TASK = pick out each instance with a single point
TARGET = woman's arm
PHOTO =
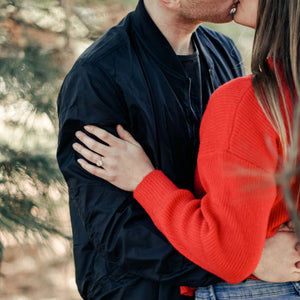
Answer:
(224, 231)
(279, 256)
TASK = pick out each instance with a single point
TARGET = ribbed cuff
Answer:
(152, 190)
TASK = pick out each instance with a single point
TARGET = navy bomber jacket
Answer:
(132, 76)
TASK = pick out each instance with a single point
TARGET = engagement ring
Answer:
(99, 163)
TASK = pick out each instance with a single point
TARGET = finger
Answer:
(92, 144)
(282, 227)
(297, 247)
(102, 134)
(99, 172)
(86, 153)
(126, 136)
(291, 225)
(286, 228)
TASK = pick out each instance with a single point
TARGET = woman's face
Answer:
(246, 13)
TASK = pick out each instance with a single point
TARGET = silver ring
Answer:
(99, 163)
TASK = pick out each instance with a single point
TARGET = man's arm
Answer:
(117, 226)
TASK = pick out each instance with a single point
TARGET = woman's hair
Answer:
(278, 37)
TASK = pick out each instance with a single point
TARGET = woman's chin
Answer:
(242, 22)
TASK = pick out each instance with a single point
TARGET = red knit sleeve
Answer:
(224, 231)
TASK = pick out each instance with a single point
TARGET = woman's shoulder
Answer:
(235, 89)
(234, 117)
(232, 96)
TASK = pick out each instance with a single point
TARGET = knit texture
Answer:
(237, 204)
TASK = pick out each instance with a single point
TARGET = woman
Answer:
(245, 135)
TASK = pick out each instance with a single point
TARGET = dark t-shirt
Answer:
(197, 71)
(192, 68)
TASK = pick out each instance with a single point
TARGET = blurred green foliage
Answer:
(31, 186)
(39, 41)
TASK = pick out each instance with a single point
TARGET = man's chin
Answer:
(229, 19)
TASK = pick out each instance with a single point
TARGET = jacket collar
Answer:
(155, 42)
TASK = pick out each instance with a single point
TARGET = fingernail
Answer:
(75, 146)
(79, 161)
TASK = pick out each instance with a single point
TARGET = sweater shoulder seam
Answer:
(227, 151)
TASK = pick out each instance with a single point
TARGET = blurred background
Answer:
(39, 42)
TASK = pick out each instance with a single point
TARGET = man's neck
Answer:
(177, 31)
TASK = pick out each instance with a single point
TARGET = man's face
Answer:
(215, 11)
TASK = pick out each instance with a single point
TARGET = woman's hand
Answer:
(280, 258)
(122, 162)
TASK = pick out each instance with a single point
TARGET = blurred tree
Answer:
(39, 40)
(30, 183)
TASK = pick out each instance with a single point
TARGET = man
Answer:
(153, 73)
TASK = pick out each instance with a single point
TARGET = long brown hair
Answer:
(278, 37)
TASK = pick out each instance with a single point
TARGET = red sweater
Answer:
(238, 204)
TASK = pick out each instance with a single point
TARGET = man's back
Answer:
(132, 76)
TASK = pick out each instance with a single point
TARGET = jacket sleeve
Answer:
(116, 224)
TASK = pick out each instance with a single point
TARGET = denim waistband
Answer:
(250, 289)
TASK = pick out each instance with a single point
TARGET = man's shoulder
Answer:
(213, 36)
(114, 43)
(220, 48)
(236, 87)
(236, 97)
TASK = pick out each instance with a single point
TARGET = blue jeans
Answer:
(250, 289)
